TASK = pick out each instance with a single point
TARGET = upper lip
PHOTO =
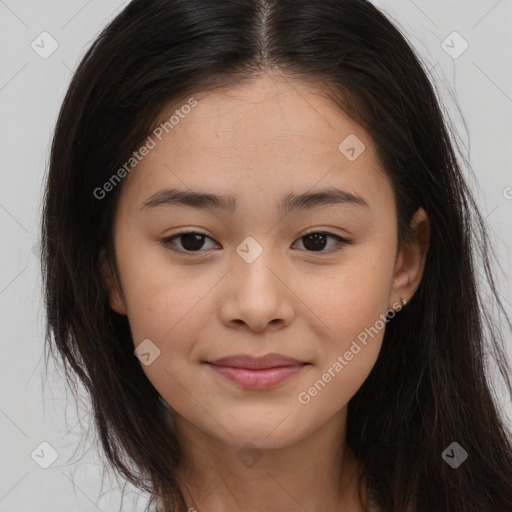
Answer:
(255, 362)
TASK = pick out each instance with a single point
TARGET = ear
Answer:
(110, 285)
(410, 262)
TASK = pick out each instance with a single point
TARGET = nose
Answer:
(257, 294)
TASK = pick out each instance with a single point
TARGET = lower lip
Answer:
(257, 379)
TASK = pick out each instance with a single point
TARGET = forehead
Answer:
(271, 134)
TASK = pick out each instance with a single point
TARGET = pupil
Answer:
(194, 241)
(318, 240)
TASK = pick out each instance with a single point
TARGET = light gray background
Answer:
(31, 90)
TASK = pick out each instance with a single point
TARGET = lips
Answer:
(253, 362)
(257, 372)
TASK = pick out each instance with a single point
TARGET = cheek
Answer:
(352, 304)
(173, 315)
(338, 381)
(168, 311)
(356, 330)
(350, 298)
(163, 301)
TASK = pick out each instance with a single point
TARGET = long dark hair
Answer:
(430, 384)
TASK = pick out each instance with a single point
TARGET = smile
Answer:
(257, 378)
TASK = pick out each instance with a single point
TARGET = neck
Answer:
(219, 476)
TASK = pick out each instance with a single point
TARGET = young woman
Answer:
(260, 257)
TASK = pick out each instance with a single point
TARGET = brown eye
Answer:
(191, 241)
(316, 241)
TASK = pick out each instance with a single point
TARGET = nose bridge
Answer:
(253, 261)
(257, 294)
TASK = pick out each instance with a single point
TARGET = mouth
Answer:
(257, 372)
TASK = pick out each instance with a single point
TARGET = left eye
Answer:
(316, 241)
(192, 241)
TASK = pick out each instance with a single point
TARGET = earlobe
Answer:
(410, 263)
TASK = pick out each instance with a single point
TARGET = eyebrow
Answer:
(288, 203)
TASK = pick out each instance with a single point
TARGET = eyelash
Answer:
(341, 242)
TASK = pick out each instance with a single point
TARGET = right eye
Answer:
(191, 241)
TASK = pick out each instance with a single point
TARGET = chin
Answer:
(264, 433)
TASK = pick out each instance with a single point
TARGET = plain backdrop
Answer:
(476, 87)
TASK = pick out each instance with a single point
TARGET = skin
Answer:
(259, 141)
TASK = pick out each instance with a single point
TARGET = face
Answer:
(266, 272)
